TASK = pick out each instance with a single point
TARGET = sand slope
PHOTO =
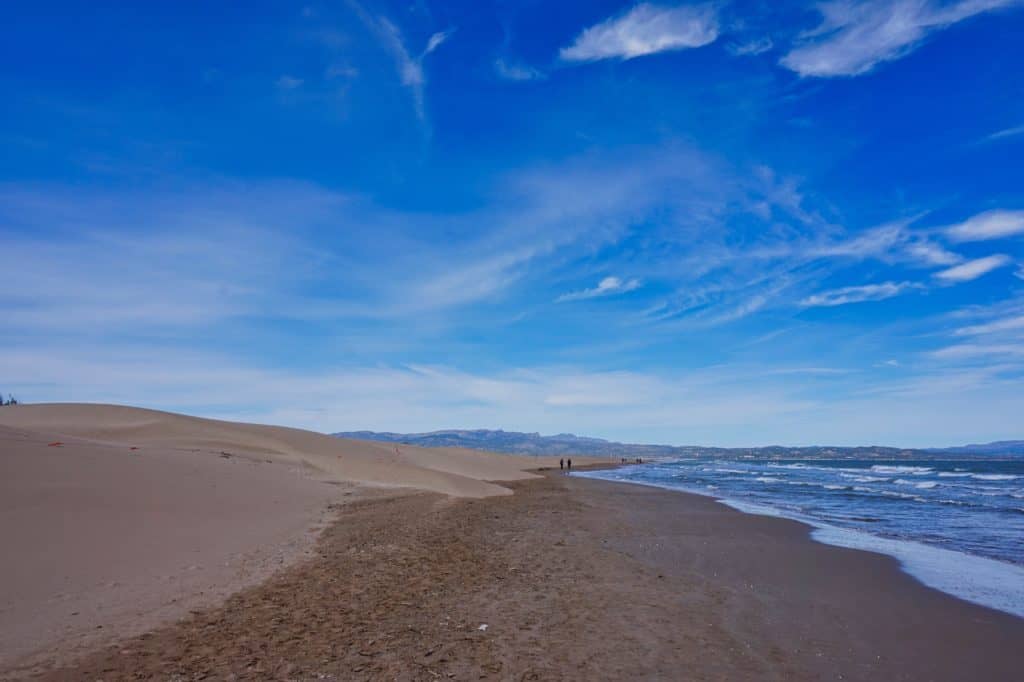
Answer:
(136, 516)
(452, 471)
(101, 541)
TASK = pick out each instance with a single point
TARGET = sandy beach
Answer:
(573, 579)
(115, 520)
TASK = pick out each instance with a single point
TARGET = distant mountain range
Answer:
(569, 444)
(999, 447)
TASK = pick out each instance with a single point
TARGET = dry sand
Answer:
(574, 579)
(116, 519)
(452, 471)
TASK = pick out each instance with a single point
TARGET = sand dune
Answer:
(113, 519)
(452, 471)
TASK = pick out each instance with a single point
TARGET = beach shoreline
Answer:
(981, 580)
(573, 578)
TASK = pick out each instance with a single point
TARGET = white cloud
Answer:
(994, 327)
(889, 242)
(870, 243)
(854, 37)
(972, 269)
(976, 350)
(988, 225)
(409, 65)
(751, 48)
(516, 72)
(1005, 133)
(643, 30)
(931, 253)
(857, 294)
(606, 287)
(436, 40)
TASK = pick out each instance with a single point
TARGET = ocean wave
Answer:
(768, 479)
(865, 479)
(995, 477)
(924, 485)
(893, 469)
(902, 496)
(984, 581)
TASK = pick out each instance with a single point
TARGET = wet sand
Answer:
(573, 579)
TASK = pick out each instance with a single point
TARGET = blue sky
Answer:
(723, 223)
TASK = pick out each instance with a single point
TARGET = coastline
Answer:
(575, 578)
(979, 580)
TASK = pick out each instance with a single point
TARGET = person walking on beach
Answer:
(561, 464)
(568, 464)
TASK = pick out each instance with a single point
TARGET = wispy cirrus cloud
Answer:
(855, 37)
(994, 224)
(82, 267)
(606, 287)
(1015, 131)
(857, 294)
(408, 63)
(977, 350)
(1007, 324)
(750, 48)
(972, 269)
(644, 30)
(516, 71)
(893, 242)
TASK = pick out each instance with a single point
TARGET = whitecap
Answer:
(865, 479)
(894, 469)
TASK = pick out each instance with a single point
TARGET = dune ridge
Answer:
(451, 471)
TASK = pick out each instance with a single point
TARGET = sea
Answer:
(955, 525)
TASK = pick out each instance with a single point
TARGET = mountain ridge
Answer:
(534, 443)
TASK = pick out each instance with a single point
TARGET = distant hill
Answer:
(519, 443)
(999, 447)
(569, 444)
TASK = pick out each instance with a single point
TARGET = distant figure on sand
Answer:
(568, 464)
(561, 464)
